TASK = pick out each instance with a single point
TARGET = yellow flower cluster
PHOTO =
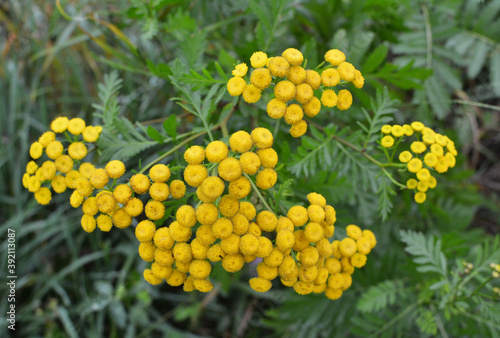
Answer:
(431, 152)
(303, 256)
(294, 86)
(57, 170)
(224, 222)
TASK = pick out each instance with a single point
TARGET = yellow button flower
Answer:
(90, 134)
(207, 213)
(313, 232)
(414, 165)
(216, 151)
(140, 183)
(60, 124)
(76, 126)
(89, 206)
(298, 129)
(313, 107)
(248, 209)
(260, 284)
(423, 174)
(115, 169)
(387, 141)
(122, 193)
(86, 169)
(420, 197)
(347, 71)
(285, 90)
(405, 156)
(43, 196)
(293, 114)
(430, 160)
(258, 59)
(159, 173)
(411, 183)
(262, 138)
(293, 56)
(106, 203)
(251, 94)
(228, 206)
(278, 66)
(397, 130)
(241, 141)
(186, 216)
(233, 263)
(297, 75)
(236, 85)
(229, 169)
(240, 70)
(88, 223)
(313, 79)
(121, 219)
(386, 129)
(344, 99)
(359, 80)
(335, 57)
(408, 130)
(99, 178)
(154, 210)
(266, 178)
(77, 150)
(147, 251)
(261, 78)
(347, 247)
(194, 174)
(417, 126)
(104, 223)
(329, 98)
(177, 189)
(134, 207)
(304, 93)
(64, 164)
(330, 77)
(275, 109)
(47, 138)
(250, 162)
(222, 228)
(354, 232)
(36, 150)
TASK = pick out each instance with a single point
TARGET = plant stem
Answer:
(257, 191)
(395, 319)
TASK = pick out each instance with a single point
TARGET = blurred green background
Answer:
(439, 59)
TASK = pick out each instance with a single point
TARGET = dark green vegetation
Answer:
(440, 62)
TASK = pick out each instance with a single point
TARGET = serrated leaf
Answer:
(438, 97)
(375, 59)
(479, 52)
(379, 296)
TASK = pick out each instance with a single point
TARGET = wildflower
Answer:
(405, 156)
(330, 77)
(212, 187)
(222, 228)
(64, 164)
(121, 219)
(293, 114)
(344, 99)
(235, 86)
(194, 174)
(76, 199)
(431, 183)
(359, 80)
(99, 178)
(240, 70)
(228, 206)
(428, 139)
(140, 183)
(363, 245)
(253, 228)
(354, 232)
(329, 98)
(387, 141)
(407, 130)
(89, 206)
(60, 124)
(240, 223)
(285, 90)
(215, 253)
(200, 268)
(122, 193)
(162, 238)
(88, 223)
(248, 209)
(304, 93)
(36, 150)
(347, 247)
(309, 256)
(268, 157)
(451, 160)
(267, 220)
(313, 232)
(240, 188)
(274, 259)
(154, 210)
(43, 196)
(260, 284)
(177, 278)
(134, 207)
(347, 71)
(251, 94)
(90, 134)
(265, 247)
(160, 271)
(279, 66)
(417, 126)
(422, 186)
(276, 109)
(145, 231)
(313, 79)
(230, 169)
(206, 213)
(216, 151)
(397, 130)
(411, 183)
(231, 244)
(199, 249)
(258, 59)
(48, 170)
(54, 149)
(58, 184)
(233, 263)
(313, 107)
(76, 126)
(104, 222)
(293, 56)
(266, 178)
(77, 150)
(335, 57)
(115, 169)
(86, 169)
(84, 187)
(442, 165)
(240, 141)
(262, 138)
(285, 240)
(430, 160)
(298, 215)
(106, 203)
(180, 233)
(420, 197)
(414, 165)
(297, 74)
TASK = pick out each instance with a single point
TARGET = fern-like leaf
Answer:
(427, 252)
(379, 297)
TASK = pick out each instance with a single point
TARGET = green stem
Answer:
(395, 319)
(257, 191)
(173, 150)
(276, 128)
(371, 159)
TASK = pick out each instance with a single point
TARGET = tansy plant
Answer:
(213, 206)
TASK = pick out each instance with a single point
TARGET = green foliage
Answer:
(379, 297)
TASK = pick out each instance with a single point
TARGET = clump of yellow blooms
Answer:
(431, 153)
(298, 91)
(223, 223)
(56, 163)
